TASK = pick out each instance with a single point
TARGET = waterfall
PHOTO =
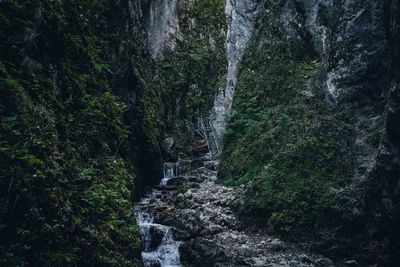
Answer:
(166, 254)
(170, 171)
(159, 246)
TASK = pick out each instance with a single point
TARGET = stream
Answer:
(190, 220)
(159, 247)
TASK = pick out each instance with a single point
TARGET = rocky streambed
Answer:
(189, 220)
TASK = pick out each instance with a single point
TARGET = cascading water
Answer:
(170, 171)
(160, 248)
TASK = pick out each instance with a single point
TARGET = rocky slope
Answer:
(203, 219)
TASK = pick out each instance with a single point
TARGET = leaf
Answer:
(9, 122)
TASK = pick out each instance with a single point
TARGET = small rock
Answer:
(323, 262)
(351, 263)
(304, 258)
(277, 245)
(188, 194)
(193, 185)
(258, 262)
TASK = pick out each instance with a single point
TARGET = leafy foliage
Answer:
(68, 150)
(194, 72)
(284, 138)
(82, 112)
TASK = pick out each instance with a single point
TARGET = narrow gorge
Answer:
(171, 133)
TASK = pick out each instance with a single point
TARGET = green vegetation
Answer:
(285, 138)
(82, 112)
(66, 170)
(190, 77)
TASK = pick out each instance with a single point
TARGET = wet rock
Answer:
(176, 181)
(210, 232)
(304, 258)
(181, 235)
(188, 194)
(168, 221)
(157, 236)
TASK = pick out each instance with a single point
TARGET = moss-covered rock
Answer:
(299, 153)
(190, 77)
(72, 133)
(83, 110)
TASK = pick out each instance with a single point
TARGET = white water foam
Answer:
(167, 253)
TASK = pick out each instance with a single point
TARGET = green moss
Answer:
(66, 182)
(285, 139)
(190, 77)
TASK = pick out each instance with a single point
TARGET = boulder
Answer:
(178, 180)
(157, 236)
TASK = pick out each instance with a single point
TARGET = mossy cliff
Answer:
(74, 130)
(305, 128)
(190, 75)
(83, 110)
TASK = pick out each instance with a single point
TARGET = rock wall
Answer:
(162, 27)
(313, 84)
(241, 18)
(77, 131)
(187, 40)
(385, 185)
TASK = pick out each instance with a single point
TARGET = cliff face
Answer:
(311, 92)
(190, 60)
(76, 133)
(351, 39)
(385, 187)
(89, 90)
(162, 27)
(241, 18)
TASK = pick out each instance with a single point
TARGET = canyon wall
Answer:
(305, 129)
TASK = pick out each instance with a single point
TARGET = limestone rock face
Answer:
(356, 43)
(350, 37)
(162, 27)
(241, 17)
